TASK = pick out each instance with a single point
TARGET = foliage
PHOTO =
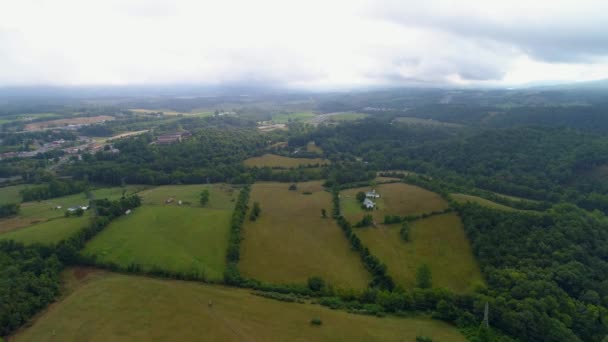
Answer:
(316, 284)
(423, 277)
(9, 209)
(29, 281)
(360, 196)
(54, 188)
(366, 221)
(204, 198)
(232, 275)
(316, 321)
(404, 231)
(255, 211)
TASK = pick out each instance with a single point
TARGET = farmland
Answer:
(275, 161)
(36, 126)
(103, 306)
(291, 242)
(285, 118)
(438, 241)
(395, 199)
(10, 194)
(462, 198)
(33, 212)
(221, 195)
(49, 232)
(173, 238)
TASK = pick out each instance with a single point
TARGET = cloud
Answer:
(553, 31)
(313, 44)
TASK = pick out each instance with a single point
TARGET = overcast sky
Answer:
(314, 44)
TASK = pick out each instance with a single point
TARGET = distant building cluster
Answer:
(172, 138)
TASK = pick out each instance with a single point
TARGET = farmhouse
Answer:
(372, 194)
(368, 204)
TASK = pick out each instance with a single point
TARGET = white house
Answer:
(372, 194)
(368, 204)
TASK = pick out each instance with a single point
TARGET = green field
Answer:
(221, 195)
(45, 209)
(49, 232)
(395, 199)
(113, 307)
(174, 238)
(348, 116)
(314, 148)
(10, 194)
(462, 198)
(426, 122)
(273, 160)
(285, 118)
(438, 241)
(290, 242)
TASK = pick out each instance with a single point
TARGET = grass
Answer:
(426, 122)
(462, 198)
(35, 212)
(286, 117)
(396, 199)
(273, 160)
(174, 238)
(438, 241)
(10, 194)
(312, 147)
(114, 307)
(348, 116)
(290, 242)
(221, 196)
(45, 209)
(49, 232)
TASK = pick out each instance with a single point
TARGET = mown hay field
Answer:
(221, 196)
(173, 238)
(462, 198)
(47, 233)
(438, 241)
(395, 199)
(113, 307)
(291, 242)
(273, 160)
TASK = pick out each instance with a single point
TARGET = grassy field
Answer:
(10, 194)
(112, 307)
(462, 198)
(273, 160)
(285, 118)
(426, 122)
(174, 238)
(49, 232)
(396, 199)
(221, 196)
(290, 242)
(46, 209)
(35, 212)
(312, 147)
(438, 241)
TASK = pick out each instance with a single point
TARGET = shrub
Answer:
(316, 283)
(316, 321)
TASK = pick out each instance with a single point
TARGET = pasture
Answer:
(174, 238)
(291, 242)
(395, 199)
(284, 118)
(406, 120)
(49, 232)
(312, 147)
(221, 196)
(86, 120)
(112, 307)
(462, 198)
(438, 241)
(276, 161)
(40, 211)
(10, 194)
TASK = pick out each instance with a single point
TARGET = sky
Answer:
(328, 44)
